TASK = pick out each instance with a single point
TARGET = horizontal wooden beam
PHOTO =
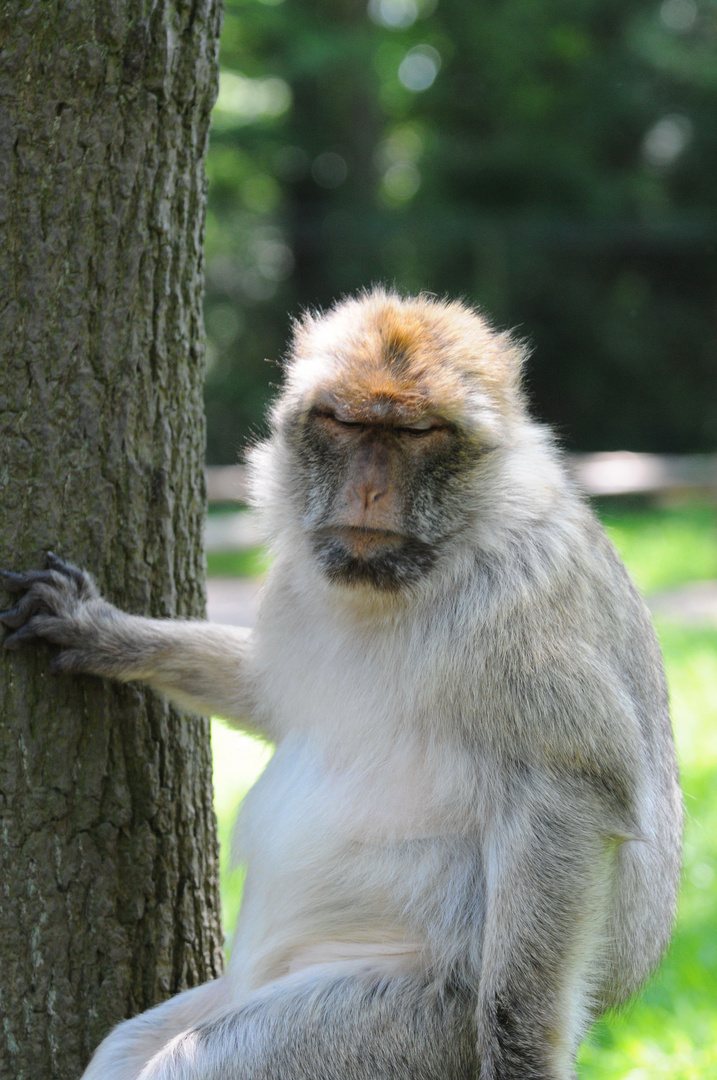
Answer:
(624, 473)
(226, 484)
(619, 472)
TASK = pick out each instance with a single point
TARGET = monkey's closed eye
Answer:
(427, 426)
(422, 427)
(341, 422)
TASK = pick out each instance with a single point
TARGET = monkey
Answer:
(466, 846)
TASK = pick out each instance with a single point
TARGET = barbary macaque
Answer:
(467, 843)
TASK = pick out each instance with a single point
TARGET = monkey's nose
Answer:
(366, 495)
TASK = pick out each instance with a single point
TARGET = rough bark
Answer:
(108, 869)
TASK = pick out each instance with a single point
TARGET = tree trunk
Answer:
(108, 851)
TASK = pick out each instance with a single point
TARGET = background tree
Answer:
(108, 881)
(553, 163)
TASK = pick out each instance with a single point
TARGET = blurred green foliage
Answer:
(553, 163)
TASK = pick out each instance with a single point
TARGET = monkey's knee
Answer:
(135, 1043)
(183, 1058)
(216, 1051)
(124, 1052)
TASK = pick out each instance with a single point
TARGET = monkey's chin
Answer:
(381, 560)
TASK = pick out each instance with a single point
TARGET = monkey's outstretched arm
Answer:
(548, 885)
(202, 666)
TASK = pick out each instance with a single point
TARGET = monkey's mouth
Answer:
(380, 558)
(363, 542)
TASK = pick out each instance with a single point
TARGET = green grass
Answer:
(670, 1032)
(247, 563)
(664, 548)
(238, 761)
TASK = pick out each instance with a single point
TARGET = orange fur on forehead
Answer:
(411, 351)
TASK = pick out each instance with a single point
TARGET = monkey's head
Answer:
(390, 409)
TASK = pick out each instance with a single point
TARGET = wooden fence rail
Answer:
(616, 473)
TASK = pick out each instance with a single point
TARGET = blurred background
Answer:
(554, 164)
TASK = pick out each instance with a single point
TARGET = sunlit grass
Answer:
(250, 562)
(664, 547)
(670, 1032)
(238, 761)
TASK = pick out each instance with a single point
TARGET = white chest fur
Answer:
(340, 840)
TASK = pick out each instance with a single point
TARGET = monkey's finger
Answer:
(34, 601)
(40, 598)
(13, 618)
(13, 582)
(56, 563)
(26, 633)
(18, 582)
(82, 581)
(43, 624)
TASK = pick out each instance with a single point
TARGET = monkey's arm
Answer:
(548, 886)
(202, 666)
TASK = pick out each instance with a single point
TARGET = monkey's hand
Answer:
(62, 605)
(203, 667)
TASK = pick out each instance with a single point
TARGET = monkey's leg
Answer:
(200, 665)
(319, 1027)
(549, 875)
(127, 1049)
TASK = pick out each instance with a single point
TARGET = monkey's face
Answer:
(380, 487)
(388, 408)
(367, 496)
